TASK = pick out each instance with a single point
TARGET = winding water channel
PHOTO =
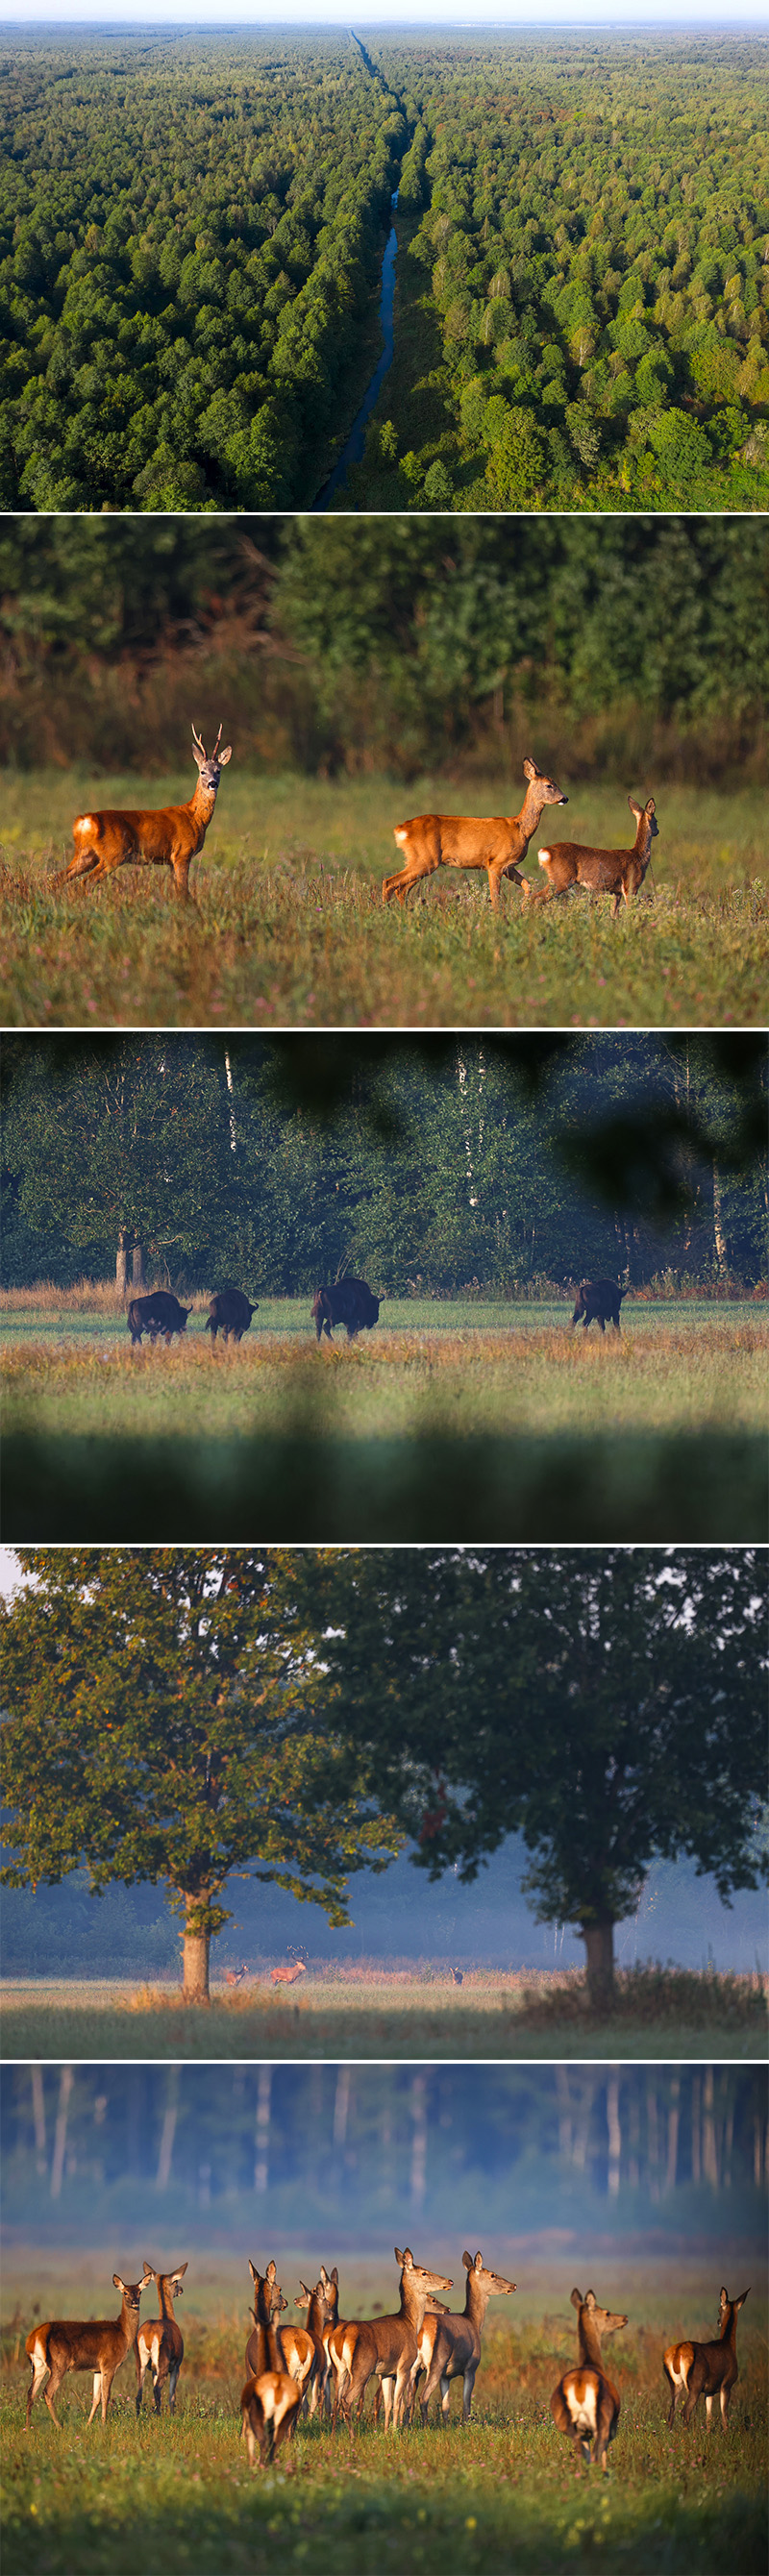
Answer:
(354, 445)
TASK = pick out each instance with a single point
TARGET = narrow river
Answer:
(354, 445)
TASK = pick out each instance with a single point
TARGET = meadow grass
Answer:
(444, 1430)
(502, 2491)
(291, 929)
(535, 2014)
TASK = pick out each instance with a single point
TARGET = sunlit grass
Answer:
(291, 928)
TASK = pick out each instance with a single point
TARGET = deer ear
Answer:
(589, 2299)
(530, 769)
(224, 756)
(650, 805)
(180, 2271)
(270, 2271)
(724, 2298)
(740, 2303)
(335, 2277)
(577, 2300)
(253, 2272)
(479, 2262)
(468, 2262)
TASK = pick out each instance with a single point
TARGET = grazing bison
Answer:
(230, 1313)
(598, 1302)
(350, 1303)
(160, 1313)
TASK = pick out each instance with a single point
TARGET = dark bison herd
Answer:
(350, 1302)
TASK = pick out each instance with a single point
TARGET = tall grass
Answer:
(291, 929)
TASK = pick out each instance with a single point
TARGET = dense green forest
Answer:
(344, 645)
(295, 2146)
(424, 1168)
(190, 239)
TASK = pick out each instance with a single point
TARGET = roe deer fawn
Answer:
(585, 2404)
(706, 2369)
(615, 872)
(169, 837)
(496, 842)
(98, 2344)
(159, 2345)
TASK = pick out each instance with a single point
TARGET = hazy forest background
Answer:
(191, 230)
(332, 648)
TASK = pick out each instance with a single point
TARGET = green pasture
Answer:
(290, 928)
(498, 2493)
(658, 2014)
(532, 1431)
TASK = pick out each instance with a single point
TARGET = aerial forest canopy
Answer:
(190, 239)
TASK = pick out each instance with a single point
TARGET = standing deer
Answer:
(98, 2344)
(322, 2305)
(615, 872)
(585, 2404)
(496, 842)
(449, 2347)
(288, 1976)
(167, 837)
(159, 2345)
(385, 2347)
(706, 2369)
(271, 2399)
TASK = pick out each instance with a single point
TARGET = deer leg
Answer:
(725, 2403)
(709, 2410)
(497, 869)
(467, 2393)
(97, 2394)
(39, 2373)
(82, 865)
(405, 878)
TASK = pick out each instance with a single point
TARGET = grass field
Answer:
(501, 2492)
(291, 929)
(532, 2014)
(445, 1423)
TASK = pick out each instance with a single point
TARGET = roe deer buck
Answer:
(615, 872)
(385, 2346)
(271, 2399)
(159, 2345)
(706, 2369)
(497, 842)
(585, 2404)
(449, 2347)
(288, 1976)
(169, 837)
(98, 2344)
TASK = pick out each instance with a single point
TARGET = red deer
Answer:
(615, 872)
(385, 2347)
(585, 2404)
(169, 837)
(235, 1976)
(288, 1976)
(322, 2305)
(450, 2347)
(160, 1313)
(496, 842)
(598, 1302)
(159, 2345)
(98, 2344)
(706, 2369)
(271, 2399)
(230, 1313)
(350, 1302)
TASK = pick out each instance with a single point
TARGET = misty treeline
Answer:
(466, 2145)
(633, 649)
(424, 1166)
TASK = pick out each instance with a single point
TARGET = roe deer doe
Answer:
(167, 837)
(98, 2344)
(706, 2369)
(585, 2404)
(496, 842)
(615, 872)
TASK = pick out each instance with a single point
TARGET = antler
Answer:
(200, 748)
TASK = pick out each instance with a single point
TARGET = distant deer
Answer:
(288, 1976)
(271, 2399)
(615, 872)
(159, 2346)
(98, 2344)
(585, 2404)
(457, 1976)
(385, 2347)
(167, 837)
(496, 842)
(235, 1976)
(706, 2369)
(449, 2347)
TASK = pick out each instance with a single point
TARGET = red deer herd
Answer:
(327, 2364)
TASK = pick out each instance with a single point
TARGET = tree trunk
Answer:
(137, 1267)
(121, 1266)
(197, 1947)
(599, 1951)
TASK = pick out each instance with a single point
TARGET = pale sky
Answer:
(611, 16)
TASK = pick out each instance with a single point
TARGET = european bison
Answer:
(230, 1313)
(350, 1303)
(160, 1313)
(598, 1302)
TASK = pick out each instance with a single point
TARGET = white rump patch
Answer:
(583, 2411)
(542, 858)
(401, 836)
